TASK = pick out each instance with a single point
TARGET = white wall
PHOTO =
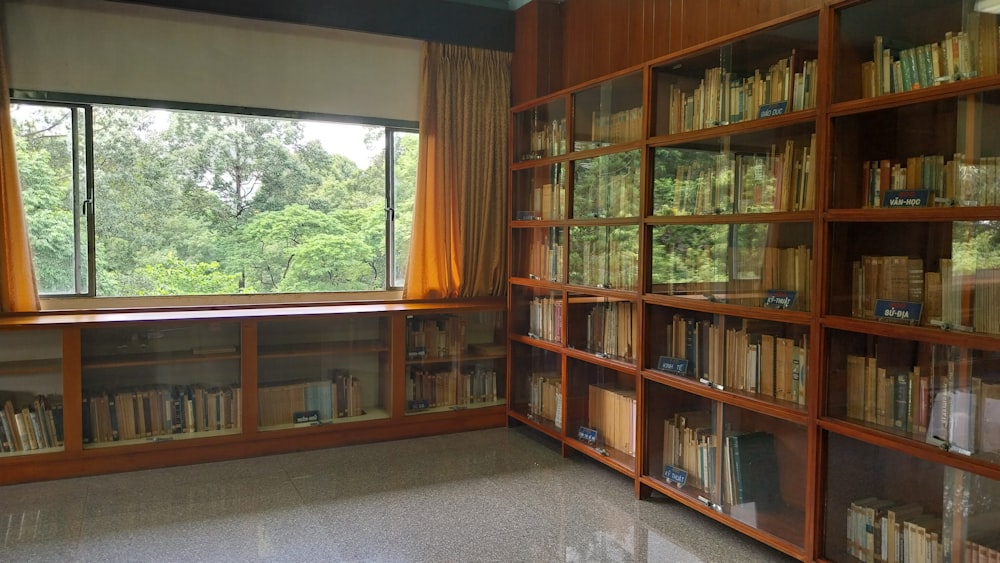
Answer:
(113, 49)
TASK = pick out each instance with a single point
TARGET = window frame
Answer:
(84, 205)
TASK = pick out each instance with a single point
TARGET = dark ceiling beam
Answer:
(432, 20)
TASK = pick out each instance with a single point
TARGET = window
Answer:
(125, 201)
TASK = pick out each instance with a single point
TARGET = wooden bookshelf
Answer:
(126, 390)
(767, 229)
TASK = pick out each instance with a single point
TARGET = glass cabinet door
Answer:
(31, 392)
(601, 411)
(536, 386)
(455, 361)
(160, 382)
(314, 371)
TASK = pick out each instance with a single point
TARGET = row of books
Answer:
(754, 357)
(603, 257)
(37, 425)
(610, 328)
(139, 413)
(546, 398)
(548, 138)
(548, 202)
(897, 67)
(771, 269)
(892, 532)
(614, 128)
(601, 192)
(723, 97)
(546, 254)
(429, 389)
(964, 301)
(743, 183)
(441, 336)
(952, 182)
(612, 413)
(336, 396)
(947, 399)
(546, 318)
(750, 472)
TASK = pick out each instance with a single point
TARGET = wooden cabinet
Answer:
(803, 234)
(114, 391)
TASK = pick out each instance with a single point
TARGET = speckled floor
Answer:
(492, 495)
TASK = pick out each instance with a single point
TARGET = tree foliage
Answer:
(196, 203)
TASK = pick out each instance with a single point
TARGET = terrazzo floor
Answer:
(491, 495)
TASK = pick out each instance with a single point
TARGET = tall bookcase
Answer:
(798, 249)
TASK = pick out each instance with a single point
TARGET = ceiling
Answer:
(486, 24)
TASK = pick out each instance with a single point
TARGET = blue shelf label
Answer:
(779, 299)
(418, 405)
(906, 198)
(677, 366)
(906, 311)
(675, 475)
(587, 435)
(771, 110)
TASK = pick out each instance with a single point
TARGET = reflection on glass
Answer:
(31, 394)
(607, 186)
(943, 395)
(322, 370)
(888, 506)
(606, 257)
(609, 113)
(757, 264)
(702, 182)
(958, 289)
(160, 382)
(537, 384)
(541, 131)
(541, 254)
(539, 193)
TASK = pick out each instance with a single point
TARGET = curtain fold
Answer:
(458, 245)
(18, 291)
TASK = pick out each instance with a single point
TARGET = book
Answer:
(755, 469)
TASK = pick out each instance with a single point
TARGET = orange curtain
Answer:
(18, 291)
(458, 246)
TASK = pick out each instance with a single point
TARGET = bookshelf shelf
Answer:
(151, 359)
(471, 358)
(25, 367)
(160, 440)
(712, 134)
(321, 349)
(458, 408)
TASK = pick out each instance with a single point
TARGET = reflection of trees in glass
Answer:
(690, 253)
(976, 246)
(607, 186)
(217, 203)
(604, 256)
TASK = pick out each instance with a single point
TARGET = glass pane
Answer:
(160, 382)
(312, 371)
(949, 269)
(888, 506)
(682, 442)
(767, 360)
(540, 254)
(760, 173)
(540, 132)
(31, 393)
(942, 395)
(537, 313)
(608, 114)
(920, 155)
(605, 257)
(753, 264)
(537, 385)
(406, 147)
(455, 361)
(601, 411)
(766, 74)
(603, 326)
(902, 45)
(606, 186)
(539, 193)
(53, 185)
